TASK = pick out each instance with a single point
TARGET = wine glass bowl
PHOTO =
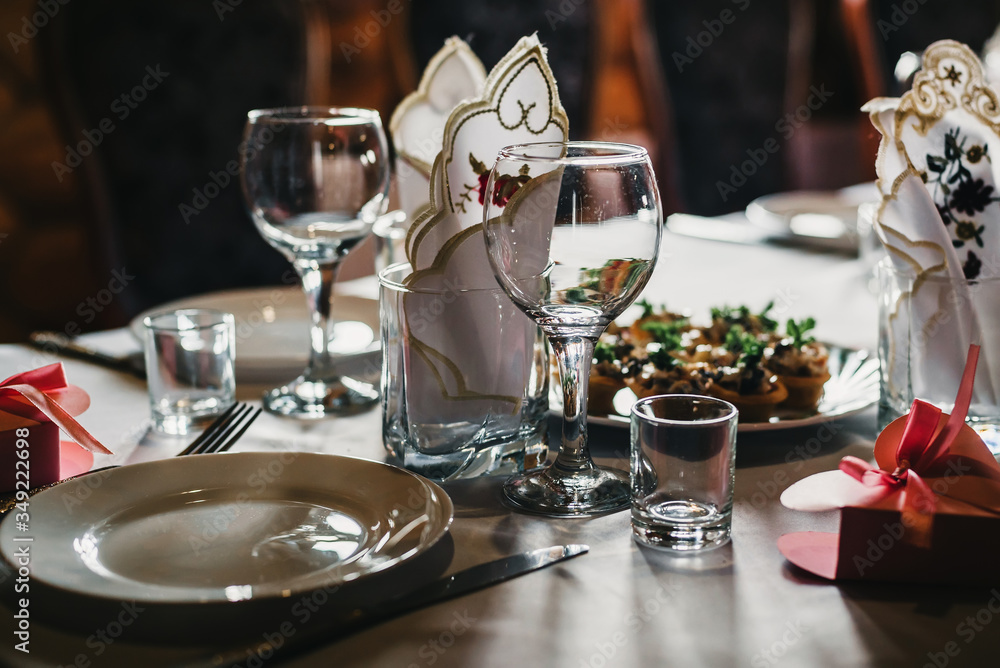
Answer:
(572, 233)
(315, 180)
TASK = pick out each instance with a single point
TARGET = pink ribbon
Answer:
(35, 386)
(919, 451)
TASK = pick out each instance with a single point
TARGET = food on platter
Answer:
(748, 384)
(801, 365)
(740, 356)
(607, 377)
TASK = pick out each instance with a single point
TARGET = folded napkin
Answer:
(928, 511)
(417, 125)
(477, 355)
(939, 215)
(34, 406)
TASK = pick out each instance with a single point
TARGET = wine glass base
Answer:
(595, 491)
(309, 399)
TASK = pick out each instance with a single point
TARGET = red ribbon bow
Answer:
(36, 386)
(919, 451)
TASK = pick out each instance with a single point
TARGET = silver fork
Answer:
(219, 436)
(223, 432)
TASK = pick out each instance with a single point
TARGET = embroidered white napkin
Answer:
(939, 217)
(478, 353)
(417, 125)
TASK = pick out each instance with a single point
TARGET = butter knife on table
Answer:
(56, 343)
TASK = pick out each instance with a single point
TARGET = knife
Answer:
(53, 342)
(458, 584)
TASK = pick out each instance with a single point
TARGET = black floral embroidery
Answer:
(972, 266)
(972, 196)
(959, 196)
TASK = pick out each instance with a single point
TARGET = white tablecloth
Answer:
(619, 605)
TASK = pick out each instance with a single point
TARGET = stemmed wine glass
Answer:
(572, 232)
(315, 179)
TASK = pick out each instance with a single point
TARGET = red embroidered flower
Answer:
(483, 178)
(506, 186)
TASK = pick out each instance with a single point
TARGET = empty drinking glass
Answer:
(683, 469)
(189, 366)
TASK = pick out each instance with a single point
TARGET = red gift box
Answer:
(34, 407)
(928, 512)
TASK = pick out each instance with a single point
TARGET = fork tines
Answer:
(224, 431)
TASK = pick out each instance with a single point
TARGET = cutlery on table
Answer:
(457, 584)
(54, 342)
(219, 436)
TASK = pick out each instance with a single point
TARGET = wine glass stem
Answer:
(317, 282)
(575, 355)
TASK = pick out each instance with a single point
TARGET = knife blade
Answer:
(54, 342)
(457, 584)
(471, 579)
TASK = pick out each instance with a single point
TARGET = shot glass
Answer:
(683, 466)
(189, 366)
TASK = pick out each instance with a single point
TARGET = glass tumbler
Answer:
(683, 466)
(190, 357)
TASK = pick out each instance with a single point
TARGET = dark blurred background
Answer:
(119, 120)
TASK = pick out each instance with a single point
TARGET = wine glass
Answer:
(315, 179)
(572, 232)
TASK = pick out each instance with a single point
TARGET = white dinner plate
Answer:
(826, 219)
(228, 527)
(272, 330)
(853, 387)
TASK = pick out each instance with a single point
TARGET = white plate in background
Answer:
(272, 330)
(826, 219)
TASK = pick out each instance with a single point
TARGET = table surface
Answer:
(619, 605)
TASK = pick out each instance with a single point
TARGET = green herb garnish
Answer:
(604, 352)
(647, 308)
(576, 295)
(797, 330)
(662, 359)
(664, 331)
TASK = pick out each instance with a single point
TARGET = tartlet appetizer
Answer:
(665, 373)
(644, 330)
(750, 386)
(725, 318)
(801, 365)
(607, 378)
